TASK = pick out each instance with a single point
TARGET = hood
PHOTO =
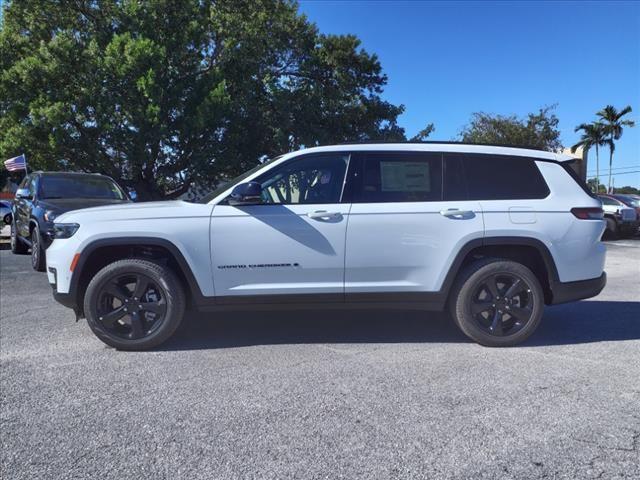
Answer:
(136, 211)
(62, 205)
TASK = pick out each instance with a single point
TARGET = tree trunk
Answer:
(610, 164)
(597, 170)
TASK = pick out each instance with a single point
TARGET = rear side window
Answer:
(492, 177)
(399, 177)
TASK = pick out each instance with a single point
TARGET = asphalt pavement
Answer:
(353, 394)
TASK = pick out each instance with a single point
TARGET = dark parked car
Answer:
(42, 196)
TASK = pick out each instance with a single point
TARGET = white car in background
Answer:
(5, 212)
(621, 219)
(491, 234)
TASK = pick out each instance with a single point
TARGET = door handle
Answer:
(455, 212)
(323, 214)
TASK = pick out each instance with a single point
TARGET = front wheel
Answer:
(38, 254)
(134, 304)
(497, 303)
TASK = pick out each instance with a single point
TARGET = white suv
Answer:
(491, 233)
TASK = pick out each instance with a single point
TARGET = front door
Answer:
(291, 247)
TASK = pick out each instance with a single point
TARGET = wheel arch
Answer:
(529, 251)
(99, 253)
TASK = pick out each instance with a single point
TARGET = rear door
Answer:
(406, 225)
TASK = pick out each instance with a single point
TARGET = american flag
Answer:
(16, 163)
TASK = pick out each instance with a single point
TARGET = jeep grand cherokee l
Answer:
(490, 233)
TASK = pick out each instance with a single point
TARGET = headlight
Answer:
(64, 230)
(50, 215)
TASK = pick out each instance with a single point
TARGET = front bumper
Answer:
(66, 299)
(563, 292)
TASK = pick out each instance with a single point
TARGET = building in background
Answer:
(580, 165)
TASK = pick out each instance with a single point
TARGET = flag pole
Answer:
(25, 164)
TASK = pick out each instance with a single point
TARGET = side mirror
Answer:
(23, 193)
(133, 195)
(249, 193)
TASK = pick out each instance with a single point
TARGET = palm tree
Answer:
(594, 135)
(614, 124)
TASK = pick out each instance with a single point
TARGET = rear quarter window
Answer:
(492, 177)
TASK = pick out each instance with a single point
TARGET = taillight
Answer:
(588, 213)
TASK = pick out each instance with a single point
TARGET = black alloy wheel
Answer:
(134, 304)
(497, 302)
(131, 306)
(502, 304)
(38, 259)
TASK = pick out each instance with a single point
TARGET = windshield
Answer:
(226, 184)
(79, 186)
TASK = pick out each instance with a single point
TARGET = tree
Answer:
(628, 190)
(614, 126)
(163, 95)
(596, 186)
(537, 130)
(423, 134)
(593, 135)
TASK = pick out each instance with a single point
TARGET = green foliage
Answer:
(423, 134)
(163, 95)
(537, 130)
(628, 190)
(613, 127)
(592, 182)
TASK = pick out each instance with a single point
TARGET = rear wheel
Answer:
(134, 304)
(497, 303)
(38, 255)
(7, 219)
(17, 246)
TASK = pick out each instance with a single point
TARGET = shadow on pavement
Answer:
(581, 322)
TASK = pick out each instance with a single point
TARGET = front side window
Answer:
(309, 180)
(399, 177)
(33, 183)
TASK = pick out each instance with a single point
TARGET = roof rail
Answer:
(371, 142)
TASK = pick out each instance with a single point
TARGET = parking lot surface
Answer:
(309, 394)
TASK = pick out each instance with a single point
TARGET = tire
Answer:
(612, 228)
(38, 255)
(17, 246)
(7, 219)
(109, 296)
(494, 323)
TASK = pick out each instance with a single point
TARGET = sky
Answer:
(446, 60)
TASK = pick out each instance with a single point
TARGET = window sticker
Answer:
(405, 176)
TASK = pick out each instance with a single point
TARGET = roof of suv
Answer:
(444, 147)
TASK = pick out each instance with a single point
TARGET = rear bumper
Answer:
(563, 292)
